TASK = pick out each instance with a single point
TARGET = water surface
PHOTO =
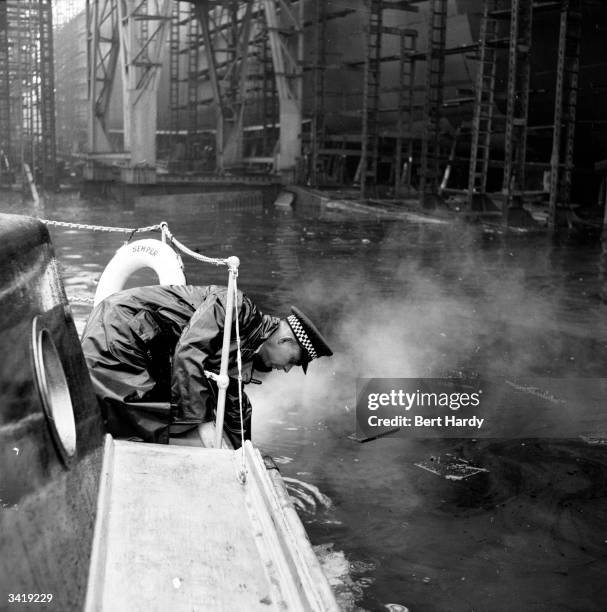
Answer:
(404, 298)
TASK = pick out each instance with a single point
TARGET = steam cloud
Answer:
(447, 309)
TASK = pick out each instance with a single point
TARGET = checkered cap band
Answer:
(302, 337)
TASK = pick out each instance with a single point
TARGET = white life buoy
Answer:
(148, 253)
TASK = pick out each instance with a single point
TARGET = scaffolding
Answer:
(102, 59)
(193, 77)
(435, 74)
(174, 81)
(71, 93)
(27, 98)
(404, 129)
(388, 146)
(326, 159)
(235, 95)
(565, 106)
(508, 25)
(517, 95)
(65, 11)
(369, 150)
(374, 86)
(5, 106)
(482, 123)
(222, 57)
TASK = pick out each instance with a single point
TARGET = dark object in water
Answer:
(359, 438)
(450, 467)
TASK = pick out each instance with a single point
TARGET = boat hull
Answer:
(48, 501)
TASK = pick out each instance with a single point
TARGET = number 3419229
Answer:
(30, 597)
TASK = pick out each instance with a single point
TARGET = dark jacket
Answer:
(147, 349)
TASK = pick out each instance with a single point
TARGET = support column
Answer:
(404, 126)
(227, 35)
(482, 123)
(369, 152)
(565, 106)
(143, 29)
(5, 107)
(318, 126)
(517, 111)
(103, 48)
(48, 153)
(284, 21)
(435, 72)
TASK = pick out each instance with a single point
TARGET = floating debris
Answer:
(595, 439)
(285, 199)
(361, 438)
(536, 391)
(283, 460)
(396, 607)
(450, 467)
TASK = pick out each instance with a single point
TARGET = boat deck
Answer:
(176, 530)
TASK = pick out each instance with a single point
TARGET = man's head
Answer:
(296, 341)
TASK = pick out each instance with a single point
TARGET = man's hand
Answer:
(247, 372)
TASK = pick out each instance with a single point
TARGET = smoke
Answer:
(447, 303)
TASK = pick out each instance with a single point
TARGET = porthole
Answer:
(54, 392)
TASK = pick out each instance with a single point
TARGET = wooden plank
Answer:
(177, 530)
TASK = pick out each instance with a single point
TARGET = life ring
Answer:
(148, 253)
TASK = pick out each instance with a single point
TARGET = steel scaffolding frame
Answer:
(369, 151)
(285, 25)
(373, 87)
(319, 147)
(143, 27)
(222, 39)
(565, 106)
(6, 153)
(226, 33)
(27, 93)
(517, 92)
(192, 78)
(517, 17)
(484, 104)
(318, 114)
(71, 86)
(103, 47)
(174, 75)
(435, 73)
(404, 128)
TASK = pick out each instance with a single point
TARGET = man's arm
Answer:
(192, 396)
(190, 389)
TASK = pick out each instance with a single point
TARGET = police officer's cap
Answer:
(308, 336)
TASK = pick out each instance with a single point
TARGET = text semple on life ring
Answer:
(148, 253)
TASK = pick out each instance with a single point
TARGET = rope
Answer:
(216, 261)
(82, 299)
(102, 228)
(242, 474)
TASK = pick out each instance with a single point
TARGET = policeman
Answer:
(147, 350)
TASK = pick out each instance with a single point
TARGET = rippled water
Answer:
(409, 298)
